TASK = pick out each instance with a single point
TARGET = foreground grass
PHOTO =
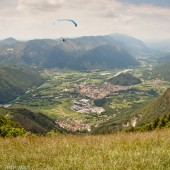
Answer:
(133, 151)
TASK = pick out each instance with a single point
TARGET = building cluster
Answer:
(84, 106)
(74, 125)
(94, 92)
(5, 105)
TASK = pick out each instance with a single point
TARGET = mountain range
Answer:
(162, 45)
(90, 52)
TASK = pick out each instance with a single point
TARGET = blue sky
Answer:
(29, 19)
(162, 3)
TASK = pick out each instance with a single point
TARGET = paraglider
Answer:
(69, 20)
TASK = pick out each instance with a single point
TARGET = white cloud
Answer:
(39, 5)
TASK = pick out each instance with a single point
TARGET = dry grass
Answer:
(133, 151)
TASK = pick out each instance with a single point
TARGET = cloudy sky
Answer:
(29, 19)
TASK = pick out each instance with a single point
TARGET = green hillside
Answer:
(36, 123)
(162, 72)
(124, 79)
(158, 123)
(147, 114)
(156, 109)
(155, 115)
(16, 80)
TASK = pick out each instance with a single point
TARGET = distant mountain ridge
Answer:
(47, 53)
(133, 45)
(163, 46)
(9, 41)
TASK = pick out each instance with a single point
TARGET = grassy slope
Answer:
(138, 151)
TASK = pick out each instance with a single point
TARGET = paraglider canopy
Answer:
(70, 20)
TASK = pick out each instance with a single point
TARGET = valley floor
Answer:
(134, 151)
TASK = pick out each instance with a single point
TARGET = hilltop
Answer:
(124, 79)
(9, 41)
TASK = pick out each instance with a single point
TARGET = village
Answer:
(94, 92)
(85, 105)
(74, 125)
